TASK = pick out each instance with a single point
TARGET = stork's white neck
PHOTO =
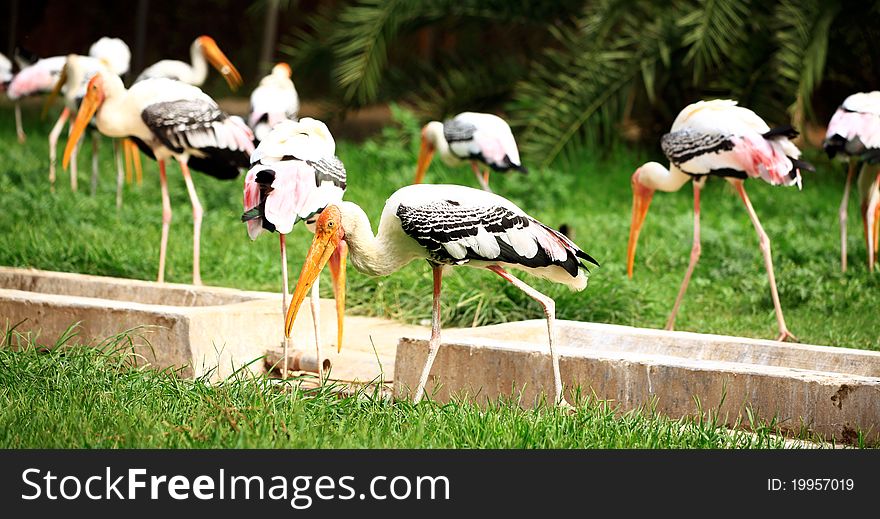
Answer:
(381, 254)
(434, 135)
(199, 64)
(655, 176)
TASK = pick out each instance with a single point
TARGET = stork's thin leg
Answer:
(74, 170)
(486, 176)
(483, 181)
(166, 219)
(550, 312)
(315, 304)
(53, 144)
(764, 242)
(197, 221)
(284, 292)
(126, 149)
(93, 186)
(695, 255)
(842, 214)
(434, 343)
(120, 175)
(19, 129)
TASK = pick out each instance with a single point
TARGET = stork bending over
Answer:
(478, 138)
(718, 138)
(448, 226)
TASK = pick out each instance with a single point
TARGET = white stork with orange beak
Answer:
(75, 75)
(168, 119)
(474, 137)
(718, 138)
(273, 101)
(854, 134)
(446, 225)
(294, 175)
(203, 50)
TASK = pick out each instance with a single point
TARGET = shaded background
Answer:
(567, 74)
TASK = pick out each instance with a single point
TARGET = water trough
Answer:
(834, 392)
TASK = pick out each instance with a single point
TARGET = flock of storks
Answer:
(294, 175)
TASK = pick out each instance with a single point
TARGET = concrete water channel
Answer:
(212, 332)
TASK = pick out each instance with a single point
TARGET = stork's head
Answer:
(431, 132)
(282, 69)
(643, 192)
(328, 245)
(96, 93)
(219, 61)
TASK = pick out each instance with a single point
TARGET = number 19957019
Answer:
(811, 484)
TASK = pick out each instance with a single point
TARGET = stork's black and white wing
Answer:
(483, 137)
(217, 143)
(463, 225)
(720, 138)
(290, 180)
(854, 129)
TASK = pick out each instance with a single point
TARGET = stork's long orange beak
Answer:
(426, 153)
(641, 202)
(220, 62)
(90, 104)
(62, 78)
(323, 246)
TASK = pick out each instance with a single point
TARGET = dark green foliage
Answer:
(579, 73)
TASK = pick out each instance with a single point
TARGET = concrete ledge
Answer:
(831, 391)
(202, 331)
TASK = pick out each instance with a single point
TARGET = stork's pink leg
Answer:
(284, 292)
(197, 220)
(19, 129)
(842, 216)
(550, 312)
(434, 343)
(695, 255)
(166, 219)
(483, 181)
(53, 144)
(764, 242)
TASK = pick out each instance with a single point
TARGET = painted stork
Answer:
(294, 175)
(854, 134)
(203, 50)
(718, 138)
(167, 118)
(470, 136)
(75, 75)
(274, 100)
(446, 225)
(41, 76)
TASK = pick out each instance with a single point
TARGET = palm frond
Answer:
(712, 30)
(802, 31)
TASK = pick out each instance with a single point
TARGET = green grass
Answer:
(82, 397)
(88, 397)
(729, 293)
